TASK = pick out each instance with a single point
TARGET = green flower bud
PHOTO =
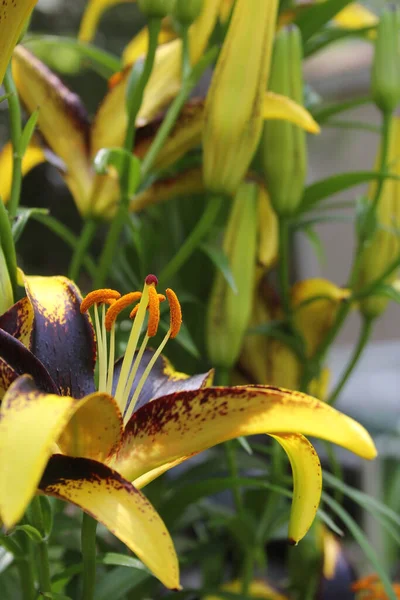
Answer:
(283, 150)
(187, 11)
(229, 309)
(156, 9)
(386, 67)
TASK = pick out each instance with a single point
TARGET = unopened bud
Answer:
(386, 66)
(187, 11)
(229, 309)
(283, 150)
(156, 9)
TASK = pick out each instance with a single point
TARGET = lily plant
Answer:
(96, 441)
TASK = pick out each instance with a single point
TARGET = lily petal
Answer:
(14, 16)
(186, 183)
(95, 429)
(307, 482)
(18, 321)
(111, 500)
(92, 15)
(186, 422)
(283, 108)
(33, 156)
(30, 424)
(57, 317)
(355, 16)
(17, 360)
(162, 380)
(62, 120)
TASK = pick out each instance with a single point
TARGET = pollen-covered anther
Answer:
(104, 296)
(175, 313)
(119, 306)
(154, 312)
(134, 310)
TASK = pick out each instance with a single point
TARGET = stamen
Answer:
(175, 313)
(111, 359)
(133, 312)
(154, 312)
(99, 297)
(119, 306)
(103, 366)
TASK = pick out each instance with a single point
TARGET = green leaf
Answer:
(388, 291)
(11, 546)
(126, 164)
(278, 330)
(22, 218)
(27, 132)
(121, 560)
(366, 219)
(50, 48)
(316, 243)
(33, 533)
(333, 34)
(220, 260)
(334, 184)
(311, 20)
(54, 596)
(184, 339)
(323, 113)
(117, 583)
(364, 544)
(245, 444)
(47, 515)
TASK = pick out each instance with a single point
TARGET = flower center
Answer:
(147, 303)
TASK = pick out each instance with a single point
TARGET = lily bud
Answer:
(187, 11)
(234, 106)
(156, 9)
(283, 150)
(384, 245)
(229, 309)
(386, 67)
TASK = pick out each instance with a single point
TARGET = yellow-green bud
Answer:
(283, 149)
(156, 9)
(187, 11)
(386, 66)
(384, 245)
(234, 108)
(229, 310)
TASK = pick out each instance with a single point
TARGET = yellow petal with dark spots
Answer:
(33, 156)
(181, 424)
(307, 482)
(13, 17)
(95, 429)
(283, 108)
(113, 501)
(63, 338)
(62, 120)
(92, 15)
(30, 424)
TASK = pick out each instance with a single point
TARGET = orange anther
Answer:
(119, 306)
(133, 314)
(154, 312)
(99, 297)
(175, 312)
(365, 582)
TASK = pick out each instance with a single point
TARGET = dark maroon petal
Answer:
(18, 321)
(162, 380)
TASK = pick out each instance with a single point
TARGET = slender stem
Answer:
(386, 126)
(193, 240)
(26, 579)
(107, 255)
(88, 544)
(365, 334)
(186, 65)
(42, 549)
(14, 110)
(174, 110)
(136, 99)
(247, 572)
(283, 266)
(85, 239)
(8, 246)
(67, 236)
(22, 550)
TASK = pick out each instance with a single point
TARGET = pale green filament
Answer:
(131, 347)
(101, 351)
(103, 371)
(143, 378)
(134, 371)
(111, 359)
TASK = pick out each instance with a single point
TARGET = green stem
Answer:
(85, 239)
(22, 551)
(186, 65)
(365, 334)
(247, 572)
(88, 544)
(8, 246)
(42, 549)
(193, 240)
(26, 579)
(14, 110)
(174, 110)
(386, 125)
(66, 236)
(283, 266)
(136, 99)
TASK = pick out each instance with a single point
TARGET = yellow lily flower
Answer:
(156, 418)
(355, 16)
(257, 589)
(14, 16)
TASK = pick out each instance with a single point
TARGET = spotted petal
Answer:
(110, 499)
(178, 425)
(18, 321)
(163, 379)
(63, 338)
(30, 424)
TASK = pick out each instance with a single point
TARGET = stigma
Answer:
(145, 316)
